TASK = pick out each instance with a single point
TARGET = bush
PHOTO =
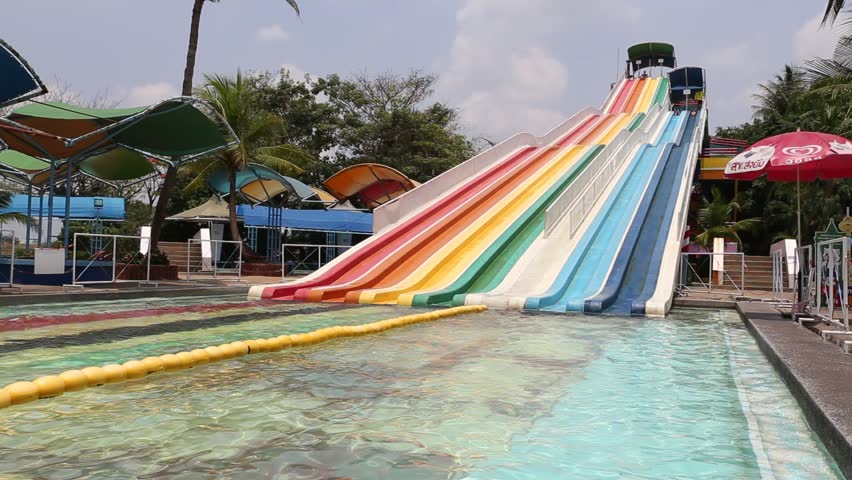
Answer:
(157, 258)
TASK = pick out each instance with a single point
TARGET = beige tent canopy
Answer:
(213, 210)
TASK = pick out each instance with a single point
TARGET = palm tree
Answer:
(832, 10)
(715, 219)
(5, 201)
(257, 131)
(170, 179)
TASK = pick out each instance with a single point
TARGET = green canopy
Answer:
(651, 54)
(173, 131)
(117, 164)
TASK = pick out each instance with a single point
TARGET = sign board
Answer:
(830, 233)
(49, 261)
(144, 242)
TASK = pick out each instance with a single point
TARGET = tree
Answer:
(5, 201)
(257, 131)
(715, 220)
(387, 119)
(170, 179)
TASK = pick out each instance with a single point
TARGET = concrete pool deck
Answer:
(818, 373)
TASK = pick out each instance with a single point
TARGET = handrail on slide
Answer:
(579, 198)
(413, 200)
(660, 302)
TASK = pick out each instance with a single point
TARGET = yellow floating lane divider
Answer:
(74, 380)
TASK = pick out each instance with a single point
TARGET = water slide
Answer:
(464, 218)
(638, 261)
(592, 260)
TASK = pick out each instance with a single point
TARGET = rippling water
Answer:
(498, 395)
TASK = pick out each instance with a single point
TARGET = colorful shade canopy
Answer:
(172, 130)
(261, 184)
(18, 82)
(213, 210)
(371, 184)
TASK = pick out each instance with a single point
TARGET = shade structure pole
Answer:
(40, 215)
(66, 227)
(29, 214)
(50, 192)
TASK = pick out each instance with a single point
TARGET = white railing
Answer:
(7, 250)
(687, 283)
(115, 257)
(413, 200)
(779, 272)
(231, 264)
(575, 203)
(832, 274)
(305, 258)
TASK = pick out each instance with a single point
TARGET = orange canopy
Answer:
(369, 183)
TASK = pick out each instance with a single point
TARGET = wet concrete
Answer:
(818, 373)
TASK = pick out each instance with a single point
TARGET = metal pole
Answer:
(148, 273)
(12, 270)
(67, 220)
(742, 272)
(845, 283)
(188, 248)
(74, 262)
(40, 215)
(240, 262)
(50, 191)
(29, 214)
(798, 227)
(283, 254)
(114, 255)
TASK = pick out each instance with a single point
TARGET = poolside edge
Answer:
(813, 371)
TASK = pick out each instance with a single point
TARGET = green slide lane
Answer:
(662, 91)
(494, 263)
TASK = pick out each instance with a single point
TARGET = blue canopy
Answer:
(343, 221)
(18, 82)
(82, 208)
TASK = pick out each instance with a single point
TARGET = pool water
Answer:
(495, 395)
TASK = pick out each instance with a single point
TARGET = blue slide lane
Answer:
(631, 271)
(650, 285)
(586, 268)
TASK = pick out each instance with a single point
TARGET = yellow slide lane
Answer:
(452, 259)
(648, 95)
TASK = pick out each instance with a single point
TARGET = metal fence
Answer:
(219, 258)
(303, 258)
(109, 259)
(7, 256)
(691, 280)
(832, 281)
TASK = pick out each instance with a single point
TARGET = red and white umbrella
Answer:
(792, 157)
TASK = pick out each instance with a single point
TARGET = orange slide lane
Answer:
(402, 263)
(364, 257)
(422, 247)
(635, 95)
(453, 215)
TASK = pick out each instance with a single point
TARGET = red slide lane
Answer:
(413, 226)
(394, 266)
(381, 267)
(618, 105)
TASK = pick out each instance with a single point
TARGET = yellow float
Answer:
(74, 380)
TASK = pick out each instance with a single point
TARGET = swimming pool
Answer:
(495, 395)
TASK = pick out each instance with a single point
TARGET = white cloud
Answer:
(812, 41)
(296, 72)
(271, 34)
(500, 70)
(149, 93)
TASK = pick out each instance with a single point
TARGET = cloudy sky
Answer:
(509, 65)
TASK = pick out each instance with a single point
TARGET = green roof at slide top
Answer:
(650, 49)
